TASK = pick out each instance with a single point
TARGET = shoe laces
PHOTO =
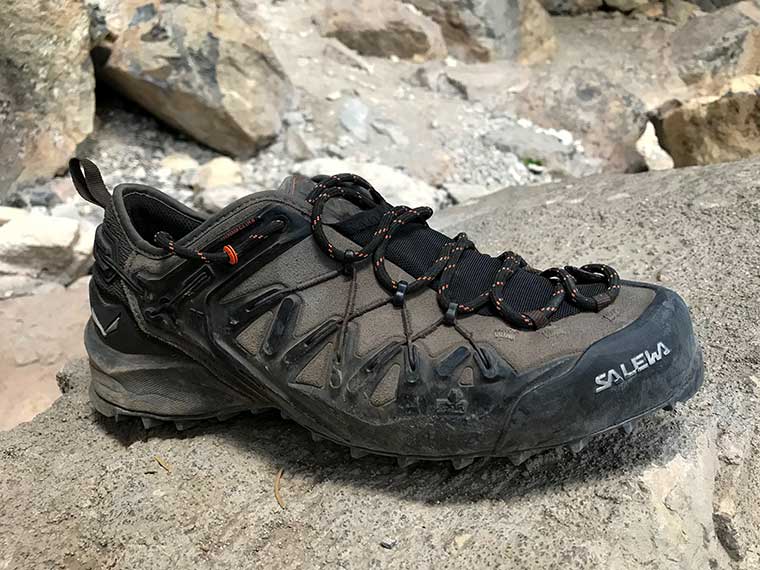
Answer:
(439, 275)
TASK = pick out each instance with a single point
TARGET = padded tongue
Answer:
(300, 187)
(297, 187)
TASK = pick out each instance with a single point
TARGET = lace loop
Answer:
(229, 253)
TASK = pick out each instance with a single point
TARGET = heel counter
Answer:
(112, 318)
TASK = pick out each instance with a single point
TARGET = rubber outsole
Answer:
(182, 423)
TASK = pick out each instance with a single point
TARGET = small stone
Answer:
(222, 171)
(388, 543)
(333, 96)
(354, 116)
(179, 162)
(293, 118)
(392, 131)
(215, 199)
(343, 55)
(297, 147)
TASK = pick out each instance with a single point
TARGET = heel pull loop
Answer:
(89, 182)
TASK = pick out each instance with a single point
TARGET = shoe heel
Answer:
(167, 386)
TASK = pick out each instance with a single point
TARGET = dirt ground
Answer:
(38, 335)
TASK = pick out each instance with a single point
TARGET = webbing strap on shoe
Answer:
(89, 182)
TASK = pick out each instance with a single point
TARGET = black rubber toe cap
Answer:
(651, 363)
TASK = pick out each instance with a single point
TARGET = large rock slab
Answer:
(203, 67)
(718, 46)
(481, 30)
(712, 129)
(585, 101)
(382, 28)
(47, 88)
(48, 247)
(680, 493)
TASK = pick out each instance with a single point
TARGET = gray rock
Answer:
(531, 145)
(296, 146)
(47, 97)
(493, 29)
(713, 5)
(81, 491)
(571, 7)
(339, 53)
(204, 68)
(625, 5)
(720, 45)
(382, 28)
(392, 131)
(607, 117)
(354, 117)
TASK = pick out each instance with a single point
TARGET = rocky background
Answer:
(437, 102)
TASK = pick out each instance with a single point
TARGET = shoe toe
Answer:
(649, 364)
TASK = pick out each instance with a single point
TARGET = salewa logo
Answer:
(112, 324)
(627, 370)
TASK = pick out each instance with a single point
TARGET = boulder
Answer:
(382, 28)
(519, 30)
(395, 186)
(201, 67)
(607, 117)
(47, 88)
(711, 129)
(81, 491)
(55, 248)
(718, 46)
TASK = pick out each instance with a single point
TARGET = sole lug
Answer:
(518, 459)
(357, 453)
(578, 446)
(185, 425)
(627, 428)
(405, 462)
(149, 423)
(462, 462)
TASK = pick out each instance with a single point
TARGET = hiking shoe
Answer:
(367, 327)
